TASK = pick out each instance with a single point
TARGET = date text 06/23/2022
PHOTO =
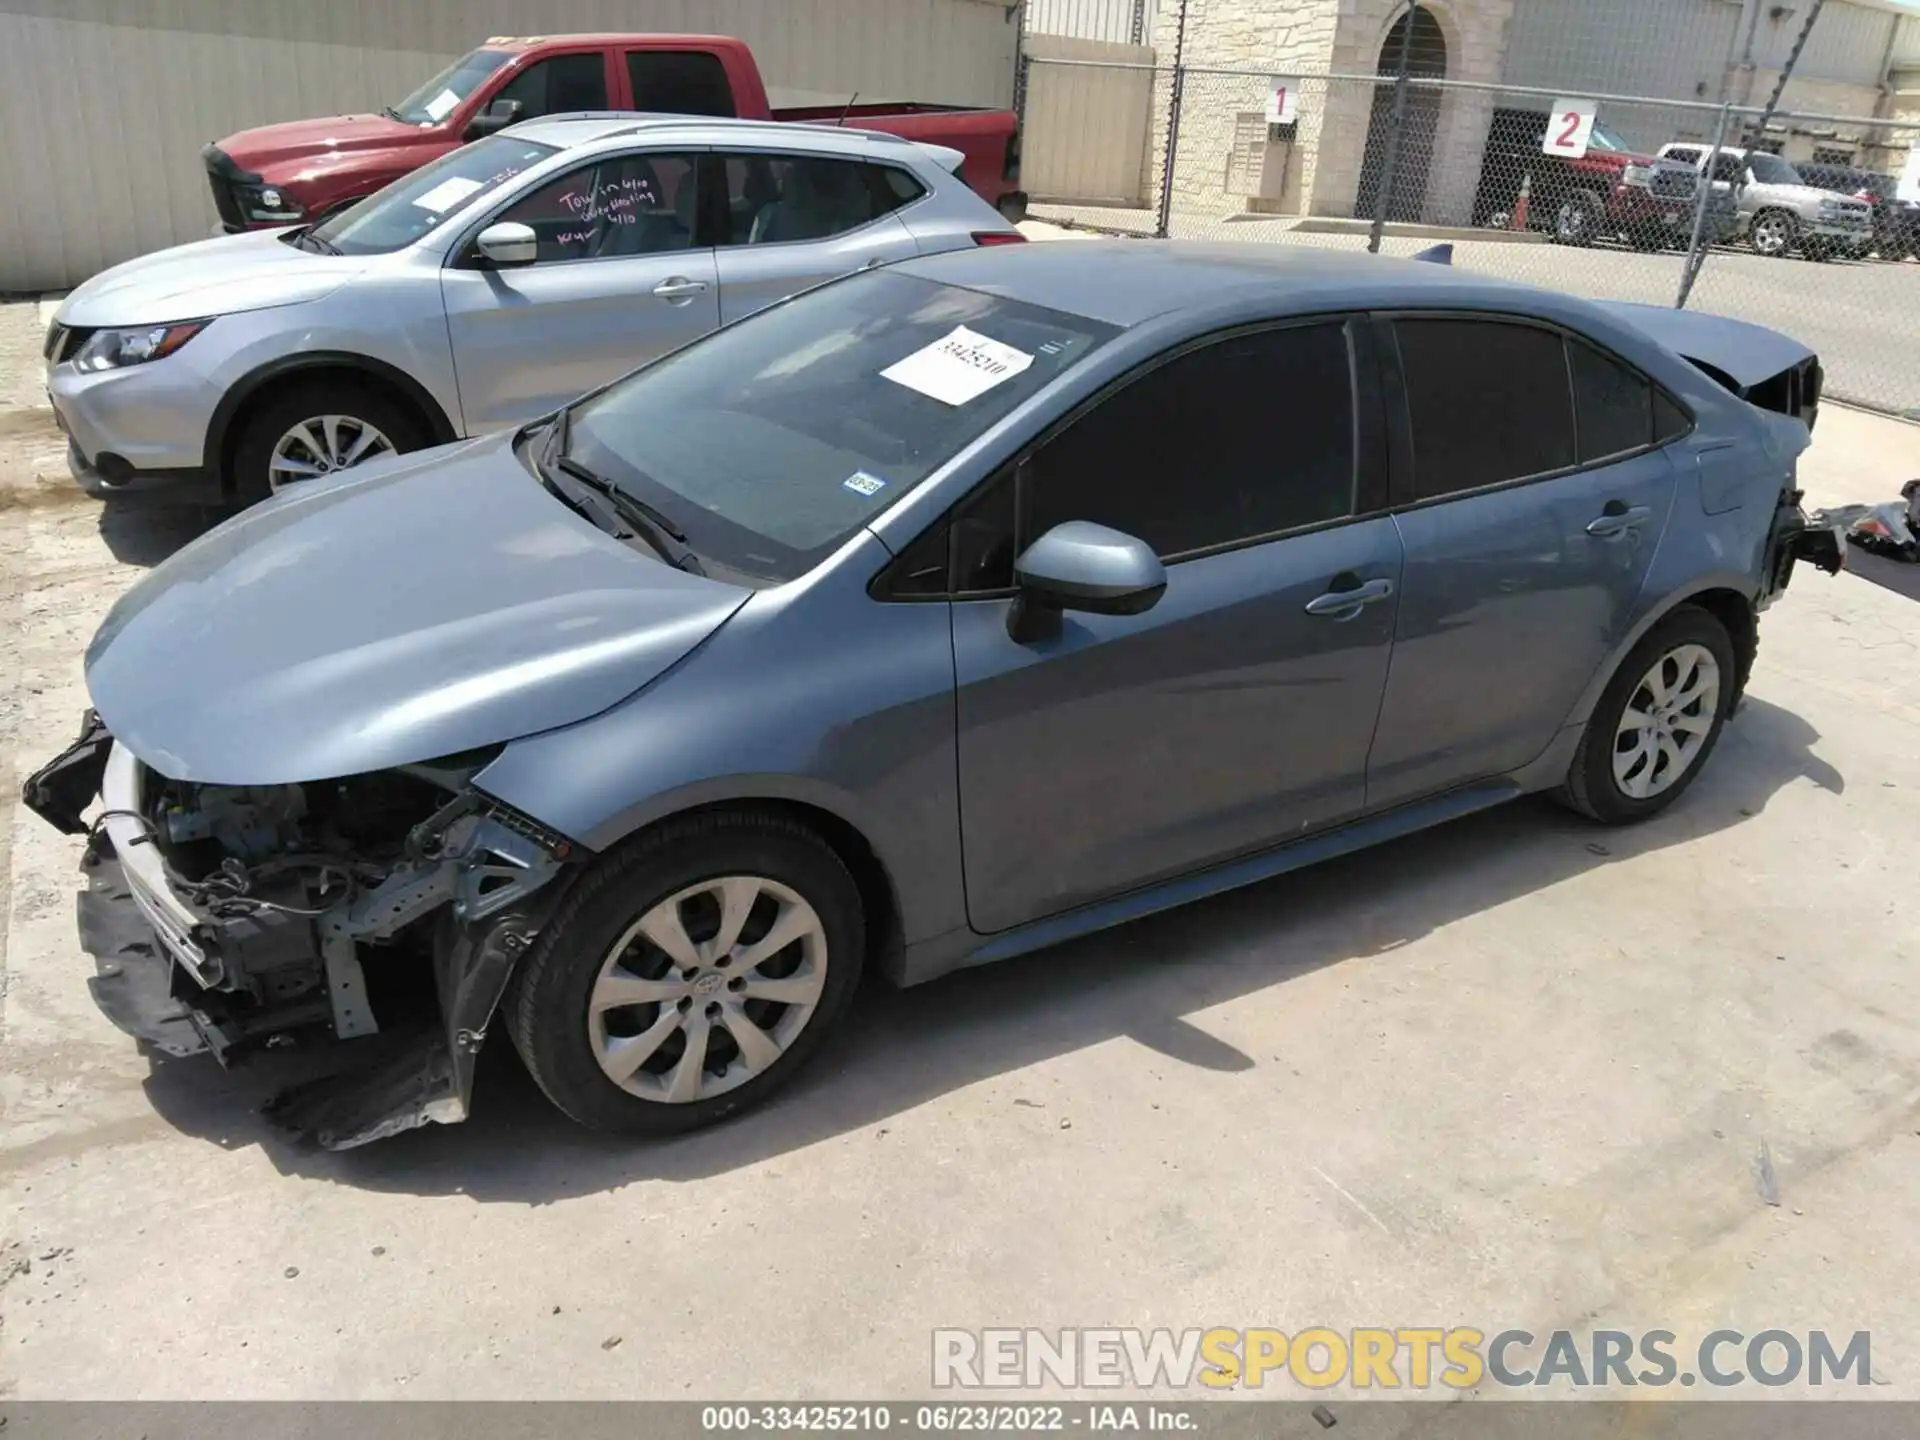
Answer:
(948, 1418)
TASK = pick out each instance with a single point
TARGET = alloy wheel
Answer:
(1666, 721)
(707, 989)
(321, 445)
(1771, 235)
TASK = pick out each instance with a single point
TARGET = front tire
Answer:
(689, 974)
(1774, 234)
(311, 429)
(1657, 722)
(1578, 219)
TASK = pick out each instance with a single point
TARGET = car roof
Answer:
(670, 39)
(589, 127)
(1125, 282)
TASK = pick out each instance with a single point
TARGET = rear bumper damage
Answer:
(295, 939)
(1795, 537)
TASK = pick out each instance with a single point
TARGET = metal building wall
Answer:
(1120, 22)
(105, 103)
(1674, 49)
(1677, 49)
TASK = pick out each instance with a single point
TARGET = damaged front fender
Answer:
(491, 884)
(226, 919)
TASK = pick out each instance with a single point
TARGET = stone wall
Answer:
(1233, 48)
(1232, 51)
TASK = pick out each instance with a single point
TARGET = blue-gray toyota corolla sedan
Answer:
(931, 617)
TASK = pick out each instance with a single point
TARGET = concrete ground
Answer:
(1862, 316)
(1515, 1072)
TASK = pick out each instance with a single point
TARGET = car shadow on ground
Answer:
(1898, 576)
(143, 531)
(900, 1049)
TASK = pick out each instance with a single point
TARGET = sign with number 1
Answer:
(1283, 102)
(1568, 129)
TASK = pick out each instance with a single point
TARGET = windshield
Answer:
(1772, 170)
(772, 441)
(407, 209)
(1604, 139)
(441, 95)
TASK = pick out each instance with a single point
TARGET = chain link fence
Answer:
(1601, 193)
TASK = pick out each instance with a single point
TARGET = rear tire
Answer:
(1657, 721)
(607, 1018)
(348, 421)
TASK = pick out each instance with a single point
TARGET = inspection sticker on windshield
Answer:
(958, 366)
(861, 483)
(447, 194)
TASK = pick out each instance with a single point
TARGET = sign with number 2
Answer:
(1569, 129)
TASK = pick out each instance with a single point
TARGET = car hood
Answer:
(284, 152)
(222, 276)
(419, 608)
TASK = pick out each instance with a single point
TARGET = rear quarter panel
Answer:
(980, 135)
(1718, 529)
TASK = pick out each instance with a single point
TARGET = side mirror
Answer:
(508, 243)
(1082, 566)
(496, 117)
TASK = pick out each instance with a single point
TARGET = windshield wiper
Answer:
(653, 527)
(308, 241)
(393, 114)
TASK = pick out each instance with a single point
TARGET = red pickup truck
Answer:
(301, 171)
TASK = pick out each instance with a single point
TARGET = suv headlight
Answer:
(270, 202)
(1641, 175)
(114, 349)
(1829, 207)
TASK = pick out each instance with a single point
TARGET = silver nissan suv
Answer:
(481, 291)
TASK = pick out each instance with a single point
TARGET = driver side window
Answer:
(1239, 440)
(558, 86)
(619, 207)
(1243, 438)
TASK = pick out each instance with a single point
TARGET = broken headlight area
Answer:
(385, 911)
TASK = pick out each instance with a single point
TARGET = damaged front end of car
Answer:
(385, 911)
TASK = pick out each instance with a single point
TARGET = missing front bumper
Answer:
(185, 979)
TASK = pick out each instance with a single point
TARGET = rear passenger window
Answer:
(1246, 437)
(679, 82)
(1489, 402)
(772, 199)
(1613, 406)
(1670, 422)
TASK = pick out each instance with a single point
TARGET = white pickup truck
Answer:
(1778, 211)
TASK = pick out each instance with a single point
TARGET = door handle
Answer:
(678, 289)
(1618, 518)
(1350, 600)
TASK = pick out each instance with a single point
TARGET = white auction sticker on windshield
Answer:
(861, 483)
(447, 194)
(439, 106)
(959, 366)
